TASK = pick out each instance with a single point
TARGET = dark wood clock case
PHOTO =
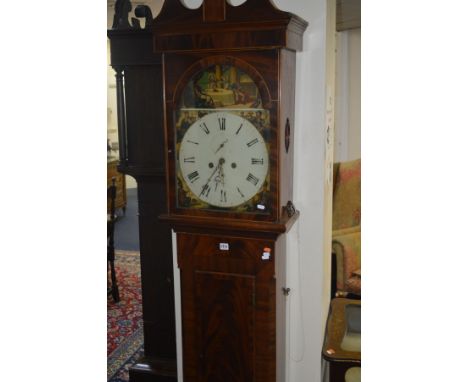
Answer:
(141, 141)
(232, 264)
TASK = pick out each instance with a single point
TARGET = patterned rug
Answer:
(124, 319)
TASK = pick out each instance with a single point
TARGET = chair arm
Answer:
(346, 231)
(347, 249)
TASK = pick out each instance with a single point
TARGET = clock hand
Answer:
(220, 177)
(221, 160)
(221, 146)
(221, 173)
(214, 172)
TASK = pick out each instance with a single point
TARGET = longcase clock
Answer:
(139, 90)
(229, 85)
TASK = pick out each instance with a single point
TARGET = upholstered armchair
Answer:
(346, 235)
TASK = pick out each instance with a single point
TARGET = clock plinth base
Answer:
(148, 369)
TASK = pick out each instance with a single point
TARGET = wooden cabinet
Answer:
(228, 308)
(121, 195)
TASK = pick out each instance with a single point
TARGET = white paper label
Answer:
(224, 246)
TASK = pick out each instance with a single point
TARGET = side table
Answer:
(342, 343)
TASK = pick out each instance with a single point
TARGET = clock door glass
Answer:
(222, 143)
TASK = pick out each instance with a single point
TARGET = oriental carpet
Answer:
(124, 319)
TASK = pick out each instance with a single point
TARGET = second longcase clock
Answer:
(229, 76)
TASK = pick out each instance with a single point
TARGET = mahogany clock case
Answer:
(232, 262)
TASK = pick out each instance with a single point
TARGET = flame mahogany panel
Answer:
(228, 309)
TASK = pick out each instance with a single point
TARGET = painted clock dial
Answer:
(223, 159)
(222, 143)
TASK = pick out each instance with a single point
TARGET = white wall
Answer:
(348, 96)
(309, 241)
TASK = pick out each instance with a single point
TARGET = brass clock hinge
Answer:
(290, 209)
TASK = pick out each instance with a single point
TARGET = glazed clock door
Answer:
(222, 143)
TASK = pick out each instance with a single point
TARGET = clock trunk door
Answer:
(225, 322)
(228, 308)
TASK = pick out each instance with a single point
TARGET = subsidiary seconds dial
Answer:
(223, 159)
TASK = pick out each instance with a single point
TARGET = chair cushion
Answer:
(347, 195)
(347, 249)
(353, 283)
(353, 374)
